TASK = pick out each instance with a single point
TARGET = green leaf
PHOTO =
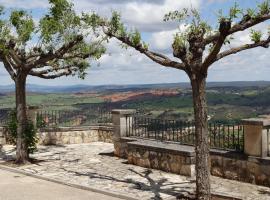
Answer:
(24, 25)
(255, 36)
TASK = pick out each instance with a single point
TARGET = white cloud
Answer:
(147, 16)
(25, 4)
(121, 66)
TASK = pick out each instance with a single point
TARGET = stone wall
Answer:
(241, 167)
(173, 158)
(76, 135)
(180, 159)
(68, 135)
(121, 147)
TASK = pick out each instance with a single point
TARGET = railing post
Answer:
(122, 121)
(255, 136)
(2, 137)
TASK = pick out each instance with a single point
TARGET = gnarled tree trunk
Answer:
(201, 131)
(21, 153)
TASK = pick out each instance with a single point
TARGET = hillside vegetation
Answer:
(226, 104)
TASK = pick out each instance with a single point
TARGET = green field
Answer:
(225, 104)
(51, 101)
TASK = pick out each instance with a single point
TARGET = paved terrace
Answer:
(93, 165)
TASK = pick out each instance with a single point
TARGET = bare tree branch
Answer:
(263, 43)
(52, 76)
(8, 67)
(156, 57)
(224, 28)
(54, 68)
(16, 58)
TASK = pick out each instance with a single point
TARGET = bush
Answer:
(29, 136)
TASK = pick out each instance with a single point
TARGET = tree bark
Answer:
(201, 142)
(21, 152)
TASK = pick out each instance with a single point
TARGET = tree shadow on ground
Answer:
(109, 154)
(48, 148)
(262, 191)
(157, 187)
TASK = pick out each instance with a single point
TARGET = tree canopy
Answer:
(58, 44)
(198, 39)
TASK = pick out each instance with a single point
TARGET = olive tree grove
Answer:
(58, 44)
(195, 49)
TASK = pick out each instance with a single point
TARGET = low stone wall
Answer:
(121, 147)
(180, 159)
(105, 134)
(173, 158)
(76, 135)
(68, 135)
(240, 167)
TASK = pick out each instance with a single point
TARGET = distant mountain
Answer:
(119, 88)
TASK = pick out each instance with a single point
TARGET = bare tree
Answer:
(197, 48)
(60, 44)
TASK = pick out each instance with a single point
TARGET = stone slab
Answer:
(256, 121)
(184, 150)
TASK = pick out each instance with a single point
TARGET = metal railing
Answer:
(51, 119)
(4, 116)
(226, 137)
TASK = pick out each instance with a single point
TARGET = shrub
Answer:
(29, 136)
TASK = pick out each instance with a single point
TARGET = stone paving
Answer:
(93, 165)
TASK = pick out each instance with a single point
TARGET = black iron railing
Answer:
(98, 115)
(4, 116)
(227, 137)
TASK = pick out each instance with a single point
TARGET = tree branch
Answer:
(240, 26)
(52, 76)
(224, 28)
(156, 57)
(58, 54)
(16, 58)
(55, 68)
(263, 43)
(9, 68)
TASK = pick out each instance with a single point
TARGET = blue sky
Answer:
(120, 66)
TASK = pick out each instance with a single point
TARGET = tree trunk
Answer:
(201, 133)
(21, 153)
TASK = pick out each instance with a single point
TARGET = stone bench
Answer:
(180, 159)
(175, 158)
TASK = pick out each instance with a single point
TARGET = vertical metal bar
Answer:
(181, 132)
(137, 127)
(210, 134)
(219, 136)
(156, 128)
(173, 129)
(145, 127)
(268, 150)
(130, 125)
(215, 135)
(228, 137)
(233, 138)
(149, 129)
